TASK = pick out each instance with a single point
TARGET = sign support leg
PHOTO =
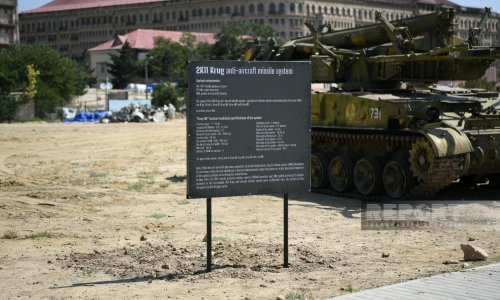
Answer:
(285, 233)
(209, 234)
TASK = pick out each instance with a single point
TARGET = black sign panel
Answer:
(248, 128)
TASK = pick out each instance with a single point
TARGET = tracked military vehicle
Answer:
(381, 132)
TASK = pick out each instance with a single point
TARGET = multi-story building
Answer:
(9, 24)
(73, 26)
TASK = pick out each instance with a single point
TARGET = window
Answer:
(272, 8)
(281, 8)
(251, 8)
(260, 8)
(292, 7)
(102, 68)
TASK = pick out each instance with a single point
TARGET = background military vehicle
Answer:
(382, 132)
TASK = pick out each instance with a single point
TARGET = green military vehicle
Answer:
(381, 131)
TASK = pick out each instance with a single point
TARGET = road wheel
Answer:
(319, 167)
(368, 176)
(340, 173)
(397, 179)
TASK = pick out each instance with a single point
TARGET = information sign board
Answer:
(248, 128)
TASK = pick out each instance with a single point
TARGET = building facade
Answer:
(73, 26)
(9, 23)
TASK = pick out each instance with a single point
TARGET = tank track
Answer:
(445, 169)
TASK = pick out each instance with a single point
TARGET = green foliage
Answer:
(124, 67)
(8, 108)
(163, 94)
(157, 216)
(167, 61)
(351, 288)
(299, 294)
(182, 202)
(137, 186)
(9, 235)
(231, 39)
(38, 235)
(480, 84)
(57, 83)
(32, 73)
(83, 64)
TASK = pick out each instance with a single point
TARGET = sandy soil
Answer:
(99, 211)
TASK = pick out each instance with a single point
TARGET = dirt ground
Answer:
(99, 211)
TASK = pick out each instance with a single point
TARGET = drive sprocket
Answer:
(421, 159)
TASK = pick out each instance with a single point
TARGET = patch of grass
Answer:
(95, 174)
(146, 177)
(302, 269)
(9, 235)
(176, 178)
(38, 235)
(182, 202)
(157, 216)
(165, 238)
(89, 271)
(137, 186)
(219, 239)
(299, 294)
(350, 288)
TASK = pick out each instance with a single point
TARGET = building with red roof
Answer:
(142, 40)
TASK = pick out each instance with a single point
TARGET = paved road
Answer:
(478, 283)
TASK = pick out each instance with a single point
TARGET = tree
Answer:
(124, 67)
(8, 107)
(231, 39)
(32, 73)
(83, 63)
(168, 61)
(163, 94)
(57, 82)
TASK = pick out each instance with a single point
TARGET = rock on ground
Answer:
(472, 252)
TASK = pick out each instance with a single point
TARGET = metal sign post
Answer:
(209, 234)
(285, 233)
